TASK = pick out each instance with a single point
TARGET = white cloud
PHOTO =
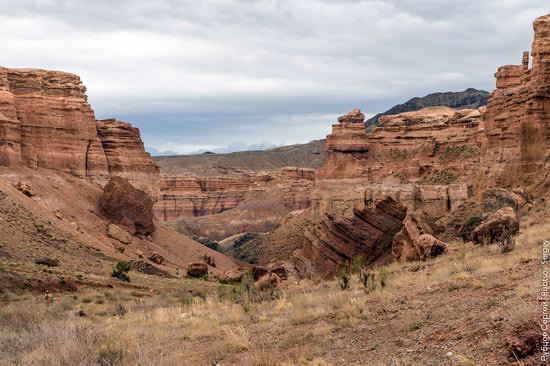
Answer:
(214, 72)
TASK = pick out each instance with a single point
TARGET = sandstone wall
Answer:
(193, 196)
(47, 122)
(518, 123)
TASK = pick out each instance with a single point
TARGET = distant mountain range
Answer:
(469, 98)
(312, 155)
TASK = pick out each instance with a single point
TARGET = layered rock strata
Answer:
(365, 237)
(517, 129)
(193, 196)
(47, 122)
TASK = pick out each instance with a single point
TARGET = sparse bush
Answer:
(344, 278)
(367, 278)
(121, 271)
(469, 226)
(383, 275)
(120, 310)
(110, 354)
(507, 241)
(246, 293)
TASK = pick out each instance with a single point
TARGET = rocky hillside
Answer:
(467, 99)
(310, 155)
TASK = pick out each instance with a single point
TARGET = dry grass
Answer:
(306, 325)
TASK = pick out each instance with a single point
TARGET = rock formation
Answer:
(366, 236)
(128, 207)
(517, 129)
(124, 149)
(467, 99)
(193, 196)
(417, 239)
(46, 122)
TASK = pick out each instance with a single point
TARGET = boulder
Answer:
(270, 280)
(428, 246)
(50, 262)
(118, 233)
(156, 258)
(524, 340)
(496, 198)
(25, 187)
(259, 271)
(416, 240)
(232, 276)
(122, 202)
(209, 260)
(197, 270)
(285, 270)
(492, 228)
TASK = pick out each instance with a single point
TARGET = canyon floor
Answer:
(456, 309)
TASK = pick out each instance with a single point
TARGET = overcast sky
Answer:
(208, 74)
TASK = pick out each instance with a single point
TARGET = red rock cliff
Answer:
(47, 122)
(192, 196)
(517, 129)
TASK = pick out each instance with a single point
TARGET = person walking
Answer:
(48, 297)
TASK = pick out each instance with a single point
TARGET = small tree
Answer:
(121, 271)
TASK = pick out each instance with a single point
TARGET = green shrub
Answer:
(121, 271)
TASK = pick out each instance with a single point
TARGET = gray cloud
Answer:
(204, 75)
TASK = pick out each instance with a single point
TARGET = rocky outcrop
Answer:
(497, 224)
(124, 149)
(349, 134)
(47, 122)
(365, 237)
(192, 196)
(417, 239)
(197, 270)
(410, 146)
(517, 129)
(467, 99)
(128, 207)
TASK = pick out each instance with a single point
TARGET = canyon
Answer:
(351, 248)
(433, 161)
